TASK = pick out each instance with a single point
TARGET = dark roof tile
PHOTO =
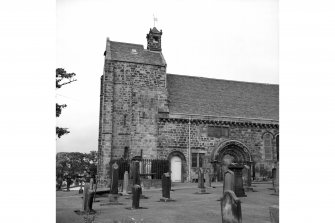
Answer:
(205, 96)
(135, 53)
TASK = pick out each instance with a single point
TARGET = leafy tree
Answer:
(91, 162)
(62, 78)
(74, 166)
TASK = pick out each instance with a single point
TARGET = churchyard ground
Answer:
(188, 207)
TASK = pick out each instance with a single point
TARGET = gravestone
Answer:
(201, 181)
(91, 184)
(238, 181)
(274, 213)
(137, 179)
(113, 195)
(273, 176)
(208, 179)
(136, 174)
(87, 199)
(228, 180)
(68, 183)
(231, 211)
(114, 187)
(125, 183)
(247, 178)
(136, 191)
(166, 187)
(81, 187)
(276, 182)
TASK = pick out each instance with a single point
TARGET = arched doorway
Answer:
(176, 169)
(236, 150)
(239, 154)
(177, 166)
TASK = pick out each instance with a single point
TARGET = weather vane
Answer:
(155, 20)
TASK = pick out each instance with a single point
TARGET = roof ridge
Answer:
(221, 79)
(127, 43)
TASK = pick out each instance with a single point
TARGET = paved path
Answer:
(188, 207)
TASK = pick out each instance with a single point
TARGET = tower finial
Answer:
(155, 20)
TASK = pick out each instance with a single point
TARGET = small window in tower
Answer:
(155, 39)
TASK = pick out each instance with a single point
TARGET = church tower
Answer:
(154, 38)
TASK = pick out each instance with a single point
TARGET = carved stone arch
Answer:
(177, 153)
(236, 149)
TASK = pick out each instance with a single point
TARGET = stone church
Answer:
(191, 121)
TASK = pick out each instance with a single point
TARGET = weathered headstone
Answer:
(273, 176)
(208, 179)
(81, 187)
(114, 186)
(125, 183)
(201, 181)
(228, 180)
(137, 179)
(68, 183)
(115, 179)
(231, 211)
(238, 181)
(166, 187)
(136, 191)
(87, 198)
(274, 213)
(91, 184)
(113, 194)
(276, 182)
(136, 174)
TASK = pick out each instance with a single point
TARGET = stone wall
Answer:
(132, 94)
(177, 135)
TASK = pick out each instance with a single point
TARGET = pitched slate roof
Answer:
(135, 53)
(205, 96)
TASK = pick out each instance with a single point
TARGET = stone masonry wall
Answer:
(174, 136)
(133, 94)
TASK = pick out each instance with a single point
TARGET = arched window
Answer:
(268, 146)
(277, 147)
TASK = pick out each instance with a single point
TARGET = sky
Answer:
(224, 39)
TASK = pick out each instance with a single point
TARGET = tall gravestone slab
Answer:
(81, 188)
(136, 174)
(231, 211)
(137, 179)
(274, 213)
(228, 180)
(166, 187)
(136, 191)
(136, 196)
(208, 179)
(276, 182)
(125, 183)
(114, 179)
(238, 180)
(87, 199)
(201, 181)
(114, 186)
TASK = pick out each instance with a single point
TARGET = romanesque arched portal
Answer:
(239, 153)
(237, 150)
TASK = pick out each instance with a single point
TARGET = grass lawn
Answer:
(188, 207)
